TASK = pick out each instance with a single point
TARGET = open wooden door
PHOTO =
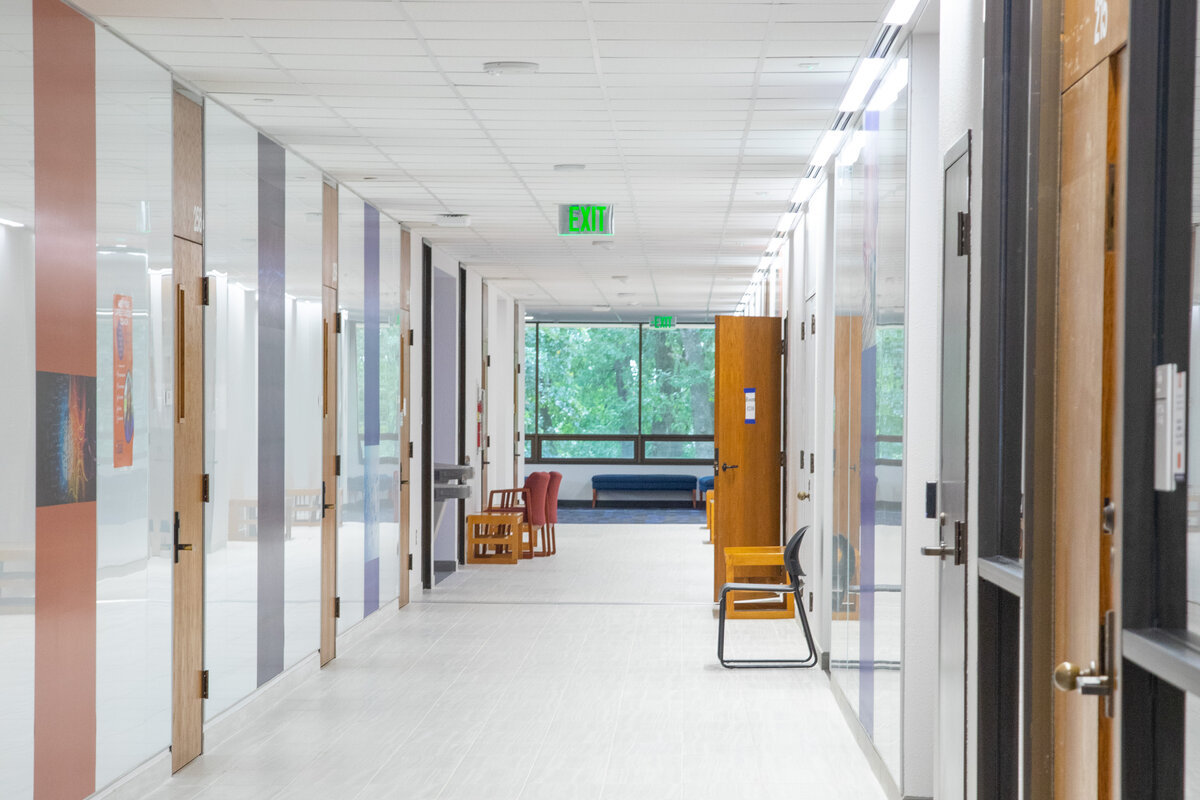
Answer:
(329, 404)
(188, 682)
(1089, 374)
(748, 436)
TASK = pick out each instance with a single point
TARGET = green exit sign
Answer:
(585, 219)
(662, 322)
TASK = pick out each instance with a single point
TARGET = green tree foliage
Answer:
(587, 382)
(889, 388)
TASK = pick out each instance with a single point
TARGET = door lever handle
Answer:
(940, 551)
(725, 466)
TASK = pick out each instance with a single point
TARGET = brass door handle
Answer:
(1070, 677)
(802, 495)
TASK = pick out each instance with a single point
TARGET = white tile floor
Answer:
(588, 675)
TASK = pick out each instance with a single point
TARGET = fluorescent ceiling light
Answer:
(890, 87)
(826, 148)
(864, 77)
(804, 190)
(901, 12)
(8, 223)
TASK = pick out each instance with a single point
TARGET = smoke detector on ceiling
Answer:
(452, 220)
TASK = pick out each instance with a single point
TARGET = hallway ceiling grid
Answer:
(695, 120)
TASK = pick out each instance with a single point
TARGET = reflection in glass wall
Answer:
(352, 485)
(870, 198)
(134, 430)
(16, 400)
(302, 411)
(231, 408)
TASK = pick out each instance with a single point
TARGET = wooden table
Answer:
(757, 565)
(495, 530)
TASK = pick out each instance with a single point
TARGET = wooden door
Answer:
(748, 431)
(805, 465)
(187, 692)
(847, 444)
(329, 406)
(1088, 374)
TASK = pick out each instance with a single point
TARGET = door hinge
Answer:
(337, 608)
(203, 684)
(337, 465)
(204, 290)
(337, 322)
(783, 347)
(518, 368)
(488, 442)
(410, 449)
(489, 361)
(801, 459)
(782, 459)
(812, 460)
(964, 233)
(205, 483)
(810, 602)
(960, 542)
(411, 337)
(813, 330)
(803, 327)
(410, 564)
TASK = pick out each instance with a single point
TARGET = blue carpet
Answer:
(630, 516)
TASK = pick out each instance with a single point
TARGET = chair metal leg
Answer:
(765, 663)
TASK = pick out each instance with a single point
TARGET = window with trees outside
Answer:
(629, 393)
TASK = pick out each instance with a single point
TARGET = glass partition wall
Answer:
(870, 193)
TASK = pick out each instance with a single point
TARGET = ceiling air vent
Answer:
(453, 220)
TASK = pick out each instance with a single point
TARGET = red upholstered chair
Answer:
(536, 485)
(551, 540)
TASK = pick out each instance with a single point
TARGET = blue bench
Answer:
(707, 484)
(643, 483)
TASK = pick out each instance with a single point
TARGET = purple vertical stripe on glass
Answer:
(271, 356)
(371, 420)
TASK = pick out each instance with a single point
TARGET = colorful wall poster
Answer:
(66, 439)
(122, 381)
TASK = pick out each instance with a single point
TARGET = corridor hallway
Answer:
(589, 675)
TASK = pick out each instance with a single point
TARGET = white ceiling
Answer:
(694, 119)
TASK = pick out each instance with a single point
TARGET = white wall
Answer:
(921, 416)
(961, 109)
